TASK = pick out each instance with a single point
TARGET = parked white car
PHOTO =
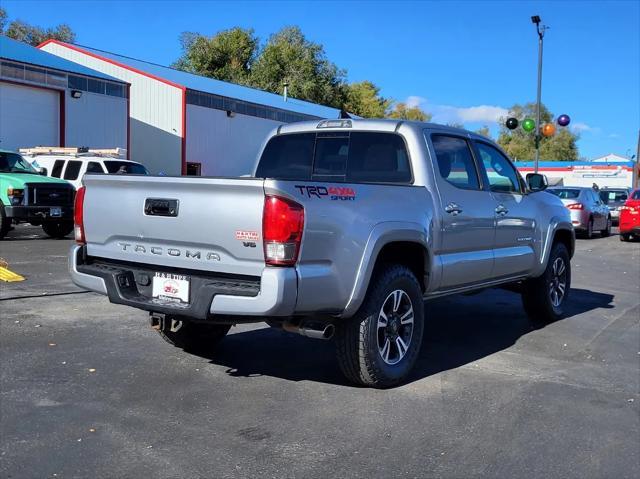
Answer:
(71, 164)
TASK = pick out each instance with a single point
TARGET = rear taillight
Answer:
(576, 206)
(78, 214)
(282, 225)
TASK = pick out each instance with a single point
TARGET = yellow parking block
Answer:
(6, 274)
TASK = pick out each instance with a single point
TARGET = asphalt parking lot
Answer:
(89, 390)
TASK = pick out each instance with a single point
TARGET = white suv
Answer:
(72, 167)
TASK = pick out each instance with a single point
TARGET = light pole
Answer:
(540, 29)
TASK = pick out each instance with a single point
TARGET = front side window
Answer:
(455, 162)
(73, 170)
(503, 177)
(125, 168)
(337, 156)
(94, 167)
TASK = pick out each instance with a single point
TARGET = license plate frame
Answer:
(55, 212)
(171, 287)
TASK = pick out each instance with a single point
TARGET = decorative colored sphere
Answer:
(512, 123)
(548, 129)
(564, 120)
(528, 125)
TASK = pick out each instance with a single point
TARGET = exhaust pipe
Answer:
(310, 329)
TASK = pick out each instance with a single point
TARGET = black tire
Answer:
(589, 232)
(190, 336)
(57, 229)
(5, 223)
(361, 342)
(607, 231)
(625, 236)
(538, 294)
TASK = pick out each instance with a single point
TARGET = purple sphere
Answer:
(564, 120)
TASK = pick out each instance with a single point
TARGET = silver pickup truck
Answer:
(343, 230)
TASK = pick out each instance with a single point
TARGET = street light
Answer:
(540, 29)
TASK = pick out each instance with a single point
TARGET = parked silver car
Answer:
(588, 212)
(614, 198)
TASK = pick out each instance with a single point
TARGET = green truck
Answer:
(27, 195)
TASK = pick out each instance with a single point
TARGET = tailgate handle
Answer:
(160, 207)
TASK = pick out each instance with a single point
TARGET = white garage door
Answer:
(28, 117)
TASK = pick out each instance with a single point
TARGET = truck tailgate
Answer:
(209, 224)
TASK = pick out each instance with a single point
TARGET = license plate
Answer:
(171, 287)
(55, 212)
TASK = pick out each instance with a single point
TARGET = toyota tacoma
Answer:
(343, 230)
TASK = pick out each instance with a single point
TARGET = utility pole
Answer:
(540, 29)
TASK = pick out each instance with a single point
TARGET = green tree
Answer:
(403, 112)
(33, 35)
(227, 55)
(520, 145)
(288, 57)
(484, 131)
(363, 99)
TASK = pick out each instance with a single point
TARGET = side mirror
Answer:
(42, 171)
(537, 182)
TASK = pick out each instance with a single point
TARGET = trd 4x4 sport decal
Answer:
(334, 193)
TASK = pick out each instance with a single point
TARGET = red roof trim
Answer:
(109, 60)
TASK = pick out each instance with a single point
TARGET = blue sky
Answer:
(462, 61)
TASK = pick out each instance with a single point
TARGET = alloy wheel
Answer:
(395, 327)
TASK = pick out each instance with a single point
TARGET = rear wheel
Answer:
(589, 232)
(58, 229)
(379, 345)
(544, 297)
(607, 231)
(190, 336)
(625, 236)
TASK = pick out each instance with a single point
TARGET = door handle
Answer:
(453, 209)
(501, 210)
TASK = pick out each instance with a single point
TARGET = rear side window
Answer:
(455, 162)
(94, 167)
(343, 156)
(73, 170)
(57, 168)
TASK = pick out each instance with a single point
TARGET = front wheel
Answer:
(379, 345)
(57, 229)
(625, 236)
(544, 297)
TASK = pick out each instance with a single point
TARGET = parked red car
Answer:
(630, 217)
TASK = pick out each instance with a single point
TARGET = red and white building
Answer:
(583, 173)
(181, 123)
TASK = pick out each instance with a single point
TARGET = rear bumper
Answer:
(38, 213)
(272, 294)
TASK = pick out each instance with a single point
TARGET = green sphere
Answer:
(528, 125)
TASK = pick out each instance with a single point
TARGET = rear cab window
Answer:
(351, 157)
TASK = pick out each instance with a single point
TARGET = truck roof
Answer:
(381, 124)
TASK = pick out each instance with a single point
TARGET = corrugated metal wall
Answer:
(224, 146)
(96, 121)
(155, 112)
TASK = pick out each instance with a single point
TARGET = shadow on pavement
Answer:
(459, 330)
